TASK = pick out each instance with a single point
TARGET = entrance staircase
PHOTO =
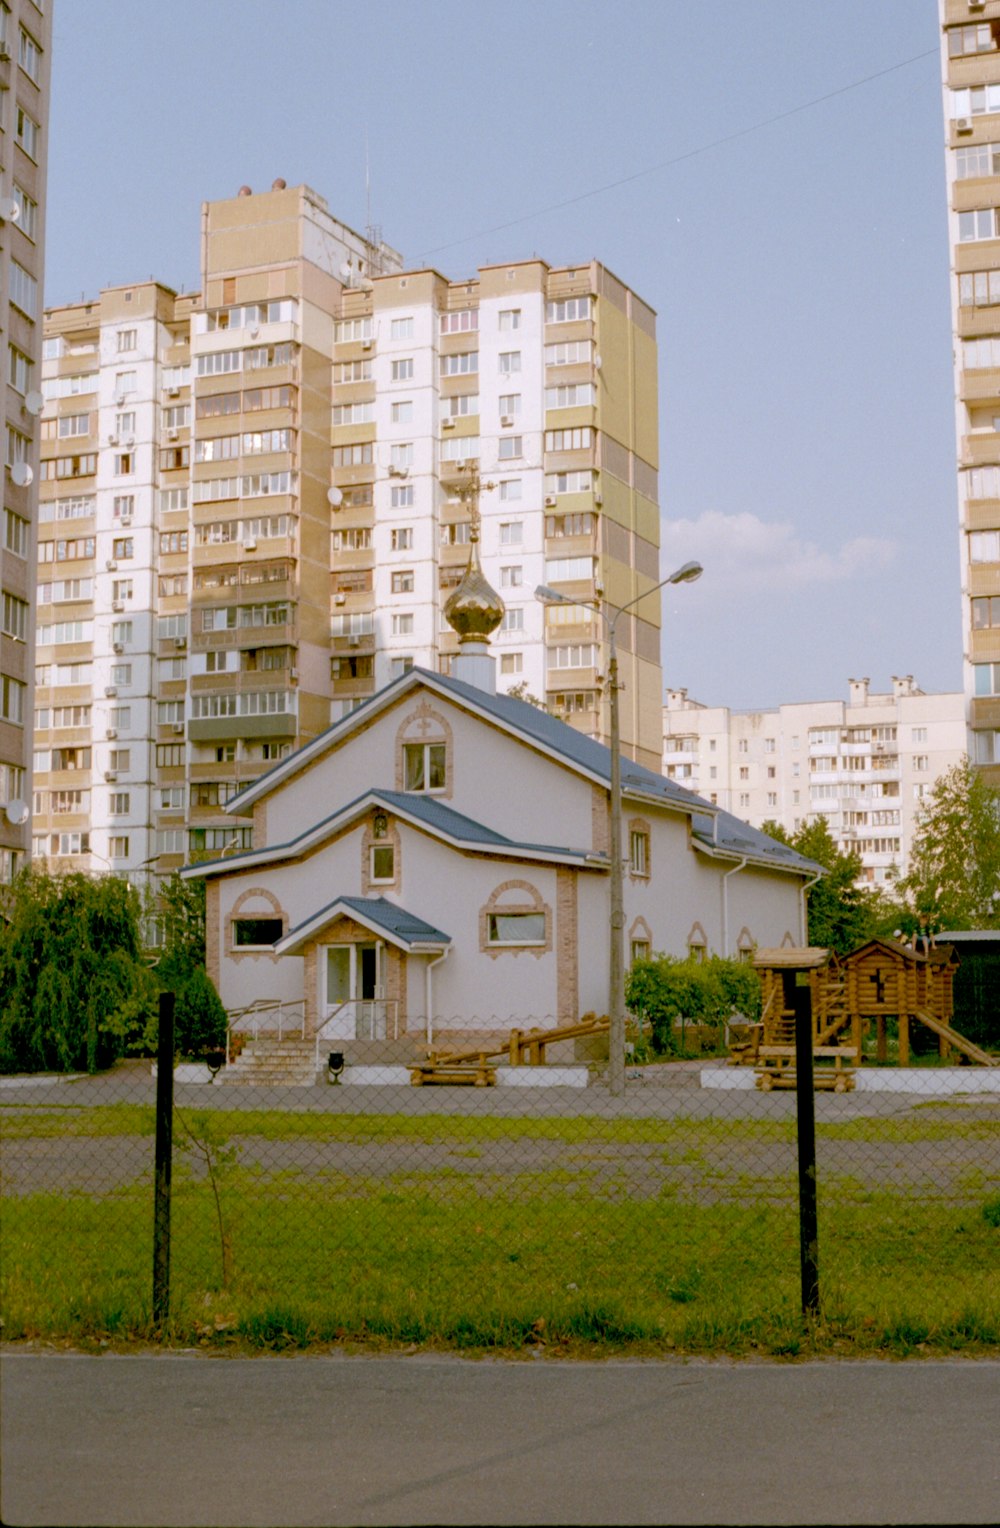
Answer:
(271, 1063)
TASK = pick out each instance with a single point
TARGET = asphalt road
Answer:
(183, 1439)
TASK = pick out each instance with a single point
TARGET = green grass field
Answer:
(480, 1233)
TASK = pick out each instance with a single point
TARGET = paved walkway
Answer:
(183, 1439)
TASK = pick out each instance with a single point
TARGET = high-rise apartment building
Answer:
(864, 765)
(257, 499)
(971, 67)
(25, 34)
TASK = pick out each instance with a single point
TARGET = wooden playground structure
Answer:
(844, 996)
(478, 1065)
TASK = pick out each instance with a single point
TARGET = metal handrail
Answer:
(386, 1004)
(267, 1006)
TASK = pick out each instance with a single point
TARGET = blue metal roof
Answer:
(395, 922)
(438, 815)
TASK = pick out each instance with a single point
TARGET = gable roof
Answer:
(427, 813)
(399, 927)
(533, 726)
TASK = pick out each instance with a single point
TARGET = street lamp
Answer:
(616, 975)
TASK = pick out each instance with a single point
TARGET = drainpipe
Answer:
(806, 886)
(725, 905)
(429, 991)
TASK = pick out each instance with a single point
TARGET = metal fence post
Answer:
(806, 1131)
(164, 1151)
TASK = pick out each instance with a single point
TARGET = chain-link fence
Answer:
(511, 1205)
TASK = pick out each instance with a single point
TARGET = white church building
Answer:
(435, 866)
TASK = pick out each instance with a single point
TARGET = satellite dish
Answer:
(9, 210)
(34, 402)
(16, 812)
(335, 497)
(22, 474)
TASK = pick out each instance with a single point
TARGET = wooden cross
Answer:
(879, 980)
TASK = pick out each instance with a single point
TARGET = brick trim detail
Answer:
(532, 902)
(232, 953)
(640, 825)
(600, 820)
(370, 888)
(567, 947)
(425, 725)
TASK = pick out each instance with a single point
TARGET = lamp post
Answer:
(685, 574)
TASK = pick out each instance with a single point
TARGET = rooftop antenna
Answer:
(373, 233)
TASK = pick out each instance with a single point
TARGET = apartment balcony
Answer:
(984, 712)
(984, 579)
(353, 643)
(980, 450)
(571, 546)
(361, 560)
(981, 385)
(271, 724)
(984, 645)
(981, 514)
(353, 687)
(975, 323)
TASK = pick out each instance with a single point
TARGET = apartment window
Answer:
(511, 663)
(971, 39)
(15, 617)
(985, 613)
(986, 749)
(568, 311)
(510, 362)
(401, 329)
(352, 371)
(402, 623)
(400, 665)
(354, 539)
(986, 677)
(169, 755)
(29, 54)
(353, 456)
(23, 290)
(981, 224)
(513, 620)
(574, 395)
(979, 289)
(581, 439)
(402, 498)
(461, 407)
(19, 368)
(402, 538)
(123, 547)
(464, 364)
(558, 526)
(511, 576)
(347, 329)
(569, 569)
(218, 363)
(984, 546)
(15, 533)
(510, 318)
(570, 353)
(460, 323)
(127, 340)
(510, 446)
(401, 454)
(12, 697)
(27, 212)
(26, 131)
(119, 803)
(173, 541)
(121, 673)
(574, 655)
(511, 532)
(510, 403)
(455, 535)
(402, 412)
(460, 448)
(121, 589)
(510, 490)
(978, 160)
(402, 582)
(402, 370)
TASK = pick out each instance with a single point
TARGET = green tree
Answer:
(199, 1017)
(841, 914)
(181, 907)
(70, 967)
(665, 989)
(954, 876)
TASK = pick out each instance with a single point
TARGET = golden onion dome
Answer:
(474, 610)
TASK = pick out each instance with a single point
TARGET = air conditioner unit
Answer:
(179, 728)
(173, 392)
(366, 344)
(4, 51)
(110, 690)
(963, 125)
(293, 675)
(598, 499)
(112, 439)
(111, 565)
(112, 732)
(120, 398)
(172, 434)
(550, 501)
(250, 546)
(118, 647)
(354, 642)
(111, 775)
(506, 420)
(130, 441)
(447, 424)
(180, 641)
(977, 5)
(118, 604)
(126, 518)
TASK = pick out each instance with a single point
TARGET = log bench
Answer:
(464, 1070)
(776, 1067)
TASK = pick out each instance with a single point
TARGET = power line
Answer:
(666, 164)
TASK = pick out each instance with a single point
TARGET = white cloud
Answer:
(742, 552)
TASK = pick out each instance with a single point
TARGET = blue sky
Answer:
(767, 174)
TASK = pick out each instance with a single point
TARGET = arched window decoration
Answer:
(516, 918)
(255, 924)
(425, 752)
(640, 941)
(697, 943)
(381, 856)
(745, 945)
